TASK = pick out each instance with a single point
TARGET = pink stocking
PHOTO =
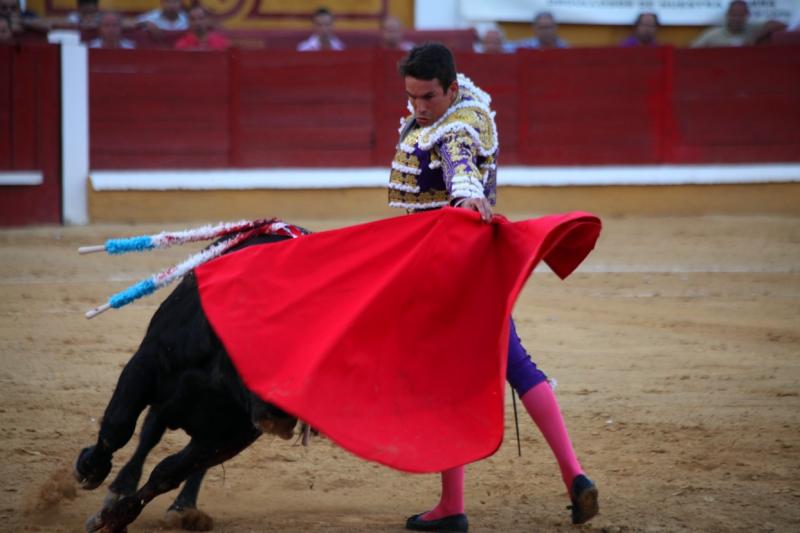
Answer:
(540, 401)
(452, 501)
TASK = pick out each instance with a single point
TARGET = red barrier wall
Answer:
(159, 109)
(737, 107)
(30, 133)
(592, 106)
(314, 108)
(255, 108)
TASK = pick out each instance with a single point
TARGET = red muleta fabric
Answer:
(389, 337)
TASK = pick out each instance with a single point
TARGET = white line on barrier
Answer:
(302, 178)
(21, 178)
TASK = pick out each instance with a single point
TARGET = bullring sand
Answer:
(676, 347)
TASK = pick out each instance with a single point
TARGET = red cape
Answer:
(389, 337)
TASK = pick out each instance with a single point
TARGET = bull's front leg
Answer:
(183, 513)
(168, 474)
(127, 480)
(131, 396)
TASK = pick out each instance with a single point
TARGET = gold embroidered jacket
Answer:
(455, 157)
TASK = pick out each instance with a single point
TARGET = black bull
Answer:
(182, 371)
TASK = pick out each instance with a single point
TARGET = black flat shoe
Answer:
(455, 522)
(584, 500)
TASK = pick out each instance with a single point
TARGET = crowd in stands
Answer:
(171, 26)
(736, 31)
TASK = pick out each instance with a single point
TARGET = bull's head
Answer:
(269, 419)
(284, 428)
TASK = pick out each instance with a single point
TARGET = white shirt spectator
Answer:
(312, 44)
(154, 16)
(123, 43)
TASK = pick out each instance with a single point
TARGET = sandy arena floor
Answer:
(676, 347)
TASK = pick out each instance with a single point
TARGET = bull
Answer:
(183, 373)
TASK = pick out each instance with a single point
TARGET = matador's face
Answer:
(428, 99)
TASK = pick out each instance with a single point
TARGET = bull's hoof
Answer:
(116, 518)
(95, 524)
(188, 519)
(90, 471)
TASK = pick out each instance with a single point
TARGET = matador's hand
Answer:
(481, 205)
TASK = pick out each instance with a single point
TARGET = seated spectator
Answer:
(87, 16)
(170, 17)
(392, 35)
(644, 31)
(737, 31)
(764, 35)
(323, 37)
(109, 33)
(200, 35)
(6, 35)
(546, 31)
(492, 41)
(22, 21)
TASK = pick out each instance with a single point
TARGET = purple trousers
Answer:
(522, 372)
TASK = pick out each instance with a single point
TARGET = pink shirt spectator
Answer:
(213, 41)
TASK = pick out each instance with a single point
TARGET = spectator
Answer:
(492, 41)
(764, 35)
(109, 33)
(392, 35)
(22, 20)
(200, 35)
(87, 16)
(737, 31)
(644, 31)
(323, 37)
(170, 17)
(546, 31)
(6, 35)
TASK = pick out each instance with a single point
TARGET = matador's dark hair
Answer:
(429, 61)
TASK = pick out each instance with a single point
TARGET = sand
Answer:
(676, 347)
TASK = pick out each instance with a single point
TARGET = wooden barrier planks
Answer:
(307, 109)
(158, 109)
(737, 105)
(590, 106)
(261, 108)
(30, 119)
